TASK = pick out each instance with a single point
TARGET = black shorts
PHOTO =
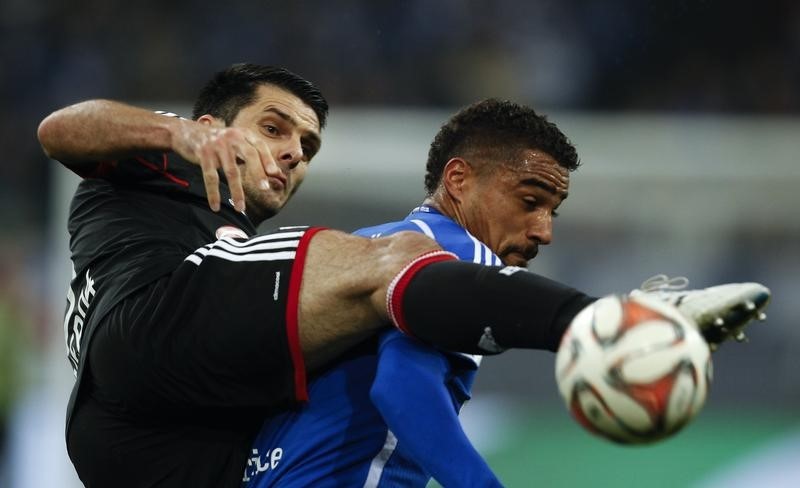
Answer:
(181, 373)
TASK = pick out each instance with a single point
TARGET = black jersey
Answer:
(181, 325)
(131, 222)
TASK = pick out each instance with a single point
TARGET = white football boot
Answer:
(720, 312)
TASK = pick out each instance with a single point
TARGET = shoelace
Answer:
(662, 282)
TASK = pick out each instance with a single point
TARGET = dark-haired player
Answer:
(387, 413)
(187, 329)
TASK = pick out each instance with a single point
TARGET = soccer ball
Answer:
(633, 369)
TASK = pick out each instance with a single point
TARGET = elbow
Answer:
(59, 131)
(47, 133)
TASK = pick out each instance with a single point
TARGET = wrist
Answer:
(173, 132)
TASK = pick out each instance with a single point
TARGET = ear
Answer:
(456, 175)
(211, 120)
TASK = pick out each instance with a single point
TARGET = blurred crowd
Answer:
(663, 55)
(615, 55)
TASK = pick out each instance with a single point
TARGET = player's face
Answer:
(291, 130)
(511, 208)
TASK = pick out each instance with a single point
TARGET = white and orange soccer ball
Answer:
(633, 369)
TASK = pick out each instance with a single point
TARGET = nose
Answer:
(290, 154)
(540, 229)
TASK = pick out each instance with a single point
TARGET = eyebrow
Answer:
(310, 137)
(545, 186)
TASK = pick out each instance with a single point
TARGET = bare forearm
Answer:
(83, 134)
(98, 130)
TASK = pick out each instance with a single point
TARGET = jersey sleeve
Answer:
(411, 392)
(148, 168)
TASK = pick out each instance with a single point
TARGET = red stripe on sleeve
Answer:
(292, 311)
(397, 289)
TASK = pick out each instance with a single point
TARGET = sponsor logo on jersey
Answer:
(231, 231)
(277, 286)
(259, 463)
(74, 319)
(510, 270)
(487, 342)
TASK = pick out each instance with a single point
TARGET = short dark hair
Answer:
(230, 90)
(499, 128)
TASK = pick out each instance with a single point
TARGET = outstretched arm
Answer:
(410, 392)
(83, 134)
(100, 130)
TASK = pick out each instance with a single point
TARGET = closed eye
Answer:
(531, 204)
(307, 153)
(310, 147)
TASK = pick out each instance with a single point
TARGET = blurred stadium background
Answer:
(686, 115)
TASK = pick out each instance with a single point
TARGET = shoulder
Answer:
(444, 230)
(430, 224)
(456, 239)
(386, 229)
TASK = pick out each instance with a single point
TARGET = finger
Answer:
(268, 164)
(254, 166)
(227, 158)
(209, 164)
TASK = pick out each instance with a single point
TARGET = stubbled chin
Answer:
(261, 210)
(515, 260)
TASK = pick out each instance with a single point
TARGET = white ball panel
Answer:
(607, 317)
(682, 400)
(648, 364)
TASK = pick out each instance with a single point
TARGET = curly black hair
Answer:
(500, 129)
(230, 90)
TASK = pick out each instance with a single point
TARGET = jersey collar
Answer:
(425, 209)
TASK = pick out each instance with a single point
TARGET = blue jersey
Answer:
(385, 414)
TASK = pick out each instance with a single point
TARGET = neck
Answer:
(442, 202)
(257, 215)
